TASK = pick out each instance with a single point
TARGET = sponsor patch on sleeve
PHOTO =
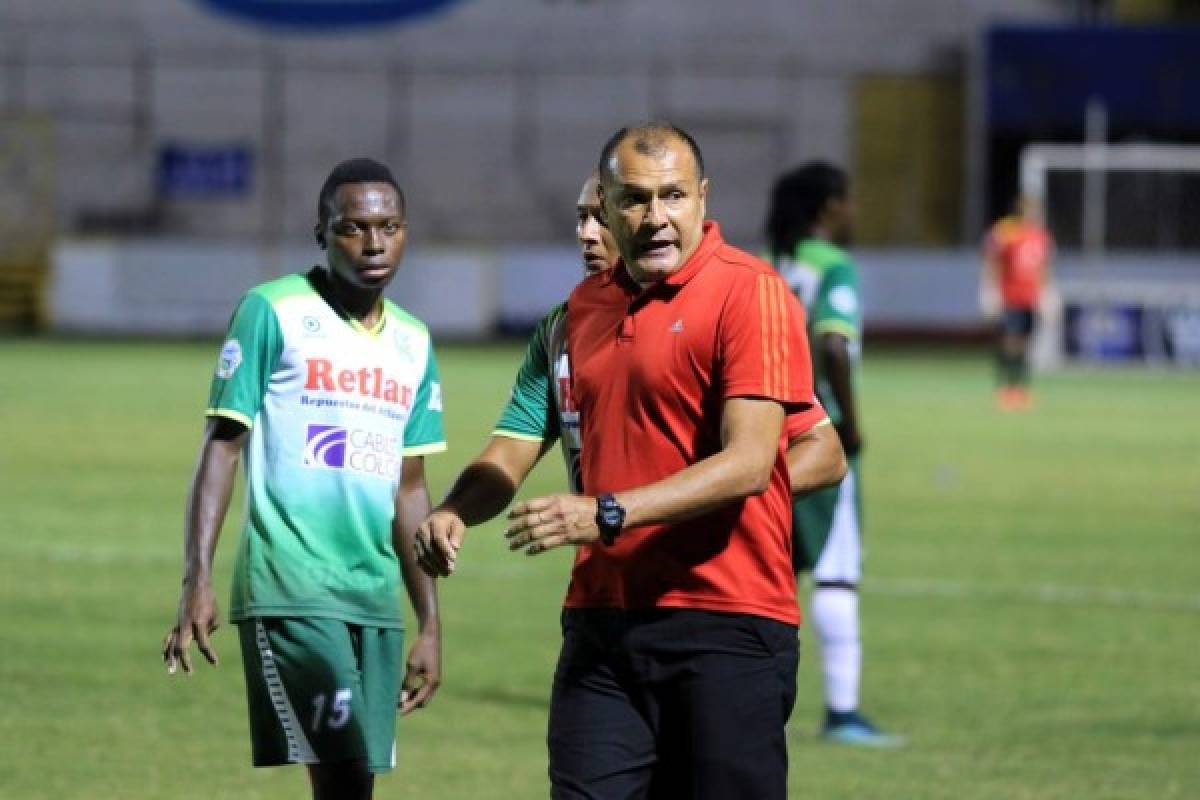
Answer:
(435, 397)
(844, 300)
(230, 359)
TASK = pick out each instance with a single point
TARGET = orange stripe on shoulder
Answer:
(785, 339)
(774, 326)
(776, 329)
(764, 322)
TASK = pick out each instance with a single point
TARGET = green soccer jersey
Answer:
(541, 408)
(332, 409)
(826, 281)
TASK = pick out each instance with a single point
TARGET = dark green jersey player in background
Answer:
(540, 410)
(809, 224)
(331, 395)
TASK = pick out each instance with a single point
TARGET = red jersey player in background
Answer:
(1016, 269)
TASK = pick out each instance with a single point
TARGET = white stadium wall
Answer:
(1132, 307)
(190, 287)
(491, 112)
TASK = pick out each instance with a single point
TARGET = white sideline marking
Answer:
(1050, 593)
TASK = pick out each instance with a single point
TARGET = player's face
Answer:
(843, 213)
(599, 249)
(365, 234)
(654, 205)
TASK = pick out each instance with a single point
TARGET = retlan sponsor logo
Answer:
(364, 382)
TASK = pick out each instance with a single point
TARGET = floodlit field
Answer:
(1032, 610)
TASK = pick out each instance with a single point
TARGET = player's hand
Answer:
(423, 673)
(544, 523)
(437, 542)
(851, 439)
(197, 619)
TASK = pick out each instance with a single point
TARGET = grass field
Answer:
(1032, 610)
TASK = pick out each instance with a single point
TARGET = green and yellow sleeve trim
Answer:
(836, 326)
(424, 449)
(524, 437)
(229, 413)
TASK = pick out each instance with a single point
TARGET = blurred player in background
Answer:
(332, 393)
(1016, 270)
(809, 222)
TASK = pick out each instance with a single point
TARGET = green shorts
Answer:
(321, 690)
(827, 531)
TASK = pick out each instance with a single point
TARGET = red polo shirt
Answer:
(1022, 249)
(650, 373)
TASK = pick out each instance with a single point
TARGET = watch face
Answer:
(610, 514)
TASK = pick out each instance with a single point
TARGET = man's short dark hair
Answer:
(354, 170)
(797, 201)
(649, 138)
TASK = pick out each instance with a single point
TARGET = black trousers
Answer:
(671, 704)
(1019, 322)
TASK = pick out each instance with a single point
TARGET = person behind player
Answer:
(332, 394)
(595, 242)
(809, 223)
(539, 410)
(1016, 269)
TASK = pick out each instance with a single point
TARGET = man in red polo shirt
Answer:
(677, 673)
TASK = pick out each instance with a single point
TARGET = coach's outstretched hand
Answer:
(198, 618)
(437, 542)
(547, 522)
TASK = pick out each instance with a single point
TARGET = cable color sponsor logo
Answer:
(355, 449)
(325, 446)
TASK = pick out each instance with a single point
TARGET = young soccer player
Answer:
(331, 394)
(809, 223)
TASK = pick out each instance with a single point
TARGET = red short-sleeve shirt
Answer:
(804, 418)
(1022, 250)
(650, 372)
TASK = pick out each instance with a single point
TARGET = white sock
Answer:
(835, 618)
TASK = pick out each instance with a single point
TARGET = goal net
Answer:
(1123, 217)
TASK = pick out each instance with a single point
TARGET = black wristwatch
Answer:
(610, 518)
